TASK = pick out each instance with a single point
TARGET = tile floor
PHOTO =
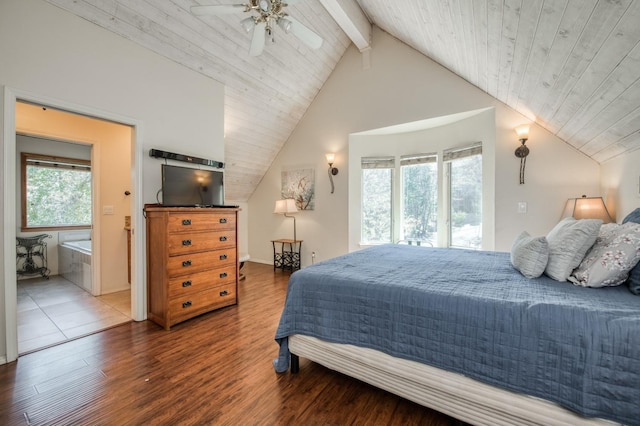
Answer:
(56, 310)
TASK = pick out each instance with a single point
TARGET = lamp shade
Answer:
(330, 157)
(287, 205)
(587, 208)
(523, 131)
(285, 24)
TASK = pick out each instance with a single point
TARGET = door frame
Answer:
(138, 257)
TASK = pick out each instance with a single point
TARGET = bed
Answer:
(464, 333)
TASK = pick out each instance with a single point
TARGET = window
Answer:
(436, 202)
(465, 197)
(377, 200)
(419, 222)
(56, 192)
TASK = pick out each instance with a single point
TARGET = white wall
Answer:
(621, 184)
(54, 54)
(403, 86)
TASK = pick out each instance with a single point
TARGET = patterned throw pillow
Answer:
(615, 252)
(568, 242)
(529, 255)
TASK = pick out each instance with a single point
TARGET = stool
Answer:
(243, 258)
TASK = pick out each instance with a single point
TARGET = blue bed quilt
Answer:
(471, 312)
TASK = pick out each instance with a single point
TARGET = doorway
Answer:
(11, 99)
(62, 158)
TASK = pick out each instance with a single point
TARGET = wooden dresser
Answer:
(192, 261)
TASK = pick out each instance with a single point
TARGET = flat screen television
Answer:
(188, 187)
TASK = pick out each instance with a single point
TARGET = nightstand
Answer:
(286, 256)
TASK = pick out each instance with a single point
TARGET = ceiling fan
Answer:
(265, 14)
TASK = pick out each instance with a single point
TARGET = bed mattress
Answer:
(447, 392)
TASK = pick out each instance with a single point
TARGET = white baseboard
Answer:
(266, 262)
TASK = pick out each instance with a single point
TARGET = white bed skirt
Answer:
(449, 393)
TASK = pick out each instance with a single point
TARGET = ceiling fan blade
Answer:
(219, 9)
(305, 35)
(258, 40)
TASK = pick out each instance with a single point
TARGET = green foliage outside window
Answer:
(420, 202)
(466, 202)
(376, 205)
(57, 197)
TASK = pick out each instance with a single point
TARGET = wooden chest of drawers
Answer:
(192, 262)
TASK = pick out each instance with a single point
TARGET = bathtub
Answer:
(83, 246)
(74, 262)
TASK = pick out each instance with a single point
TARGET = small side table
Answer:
(31, 256)
(288, 258)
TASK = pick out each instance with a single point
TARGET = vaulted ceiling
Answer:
(573, 66)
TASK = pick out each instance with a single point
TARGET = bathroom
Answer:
(92, 258)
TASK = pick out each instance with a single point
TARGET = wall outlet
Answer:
(522, 207)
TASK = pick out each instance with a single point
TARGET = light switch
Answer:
(522, 207)
(107, 209)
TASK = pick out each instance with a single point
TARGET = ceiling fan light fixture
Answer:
(285, 24)
(265, 14)
(248, 24)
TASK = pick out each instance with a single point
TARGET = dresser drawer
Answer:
(189, 284)
(197, 262)
(186, 222)
(182, 308)
(200, 241)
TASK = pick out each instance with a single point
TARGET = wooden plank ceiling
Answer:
(573, 66)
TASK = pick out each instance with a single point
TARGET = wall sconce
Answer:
(587, 208)
(332, 170)
(288, 205)
(522, 151)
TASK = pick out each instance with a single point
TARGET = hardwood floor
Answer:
(213, 369)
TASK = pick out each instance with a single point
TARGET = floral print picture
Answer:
(300, 185)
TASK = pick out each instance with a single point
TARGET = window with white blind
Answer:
(377, 200)
(56, 192)
(464, 206)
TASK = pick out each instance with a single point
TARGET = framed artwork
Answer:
(300, 184)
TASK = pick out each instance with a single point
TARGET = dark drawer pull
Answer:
(223, 238)
(224, 293)
(223, 275)
(186, 263)
(186, 242)
(186, 222)
(223, 220)
(187, 304)
(223, 257)
(186, 283)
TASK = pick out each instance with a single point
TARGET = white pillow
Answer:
(568, 242)
(529, 255)
(614, 254)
